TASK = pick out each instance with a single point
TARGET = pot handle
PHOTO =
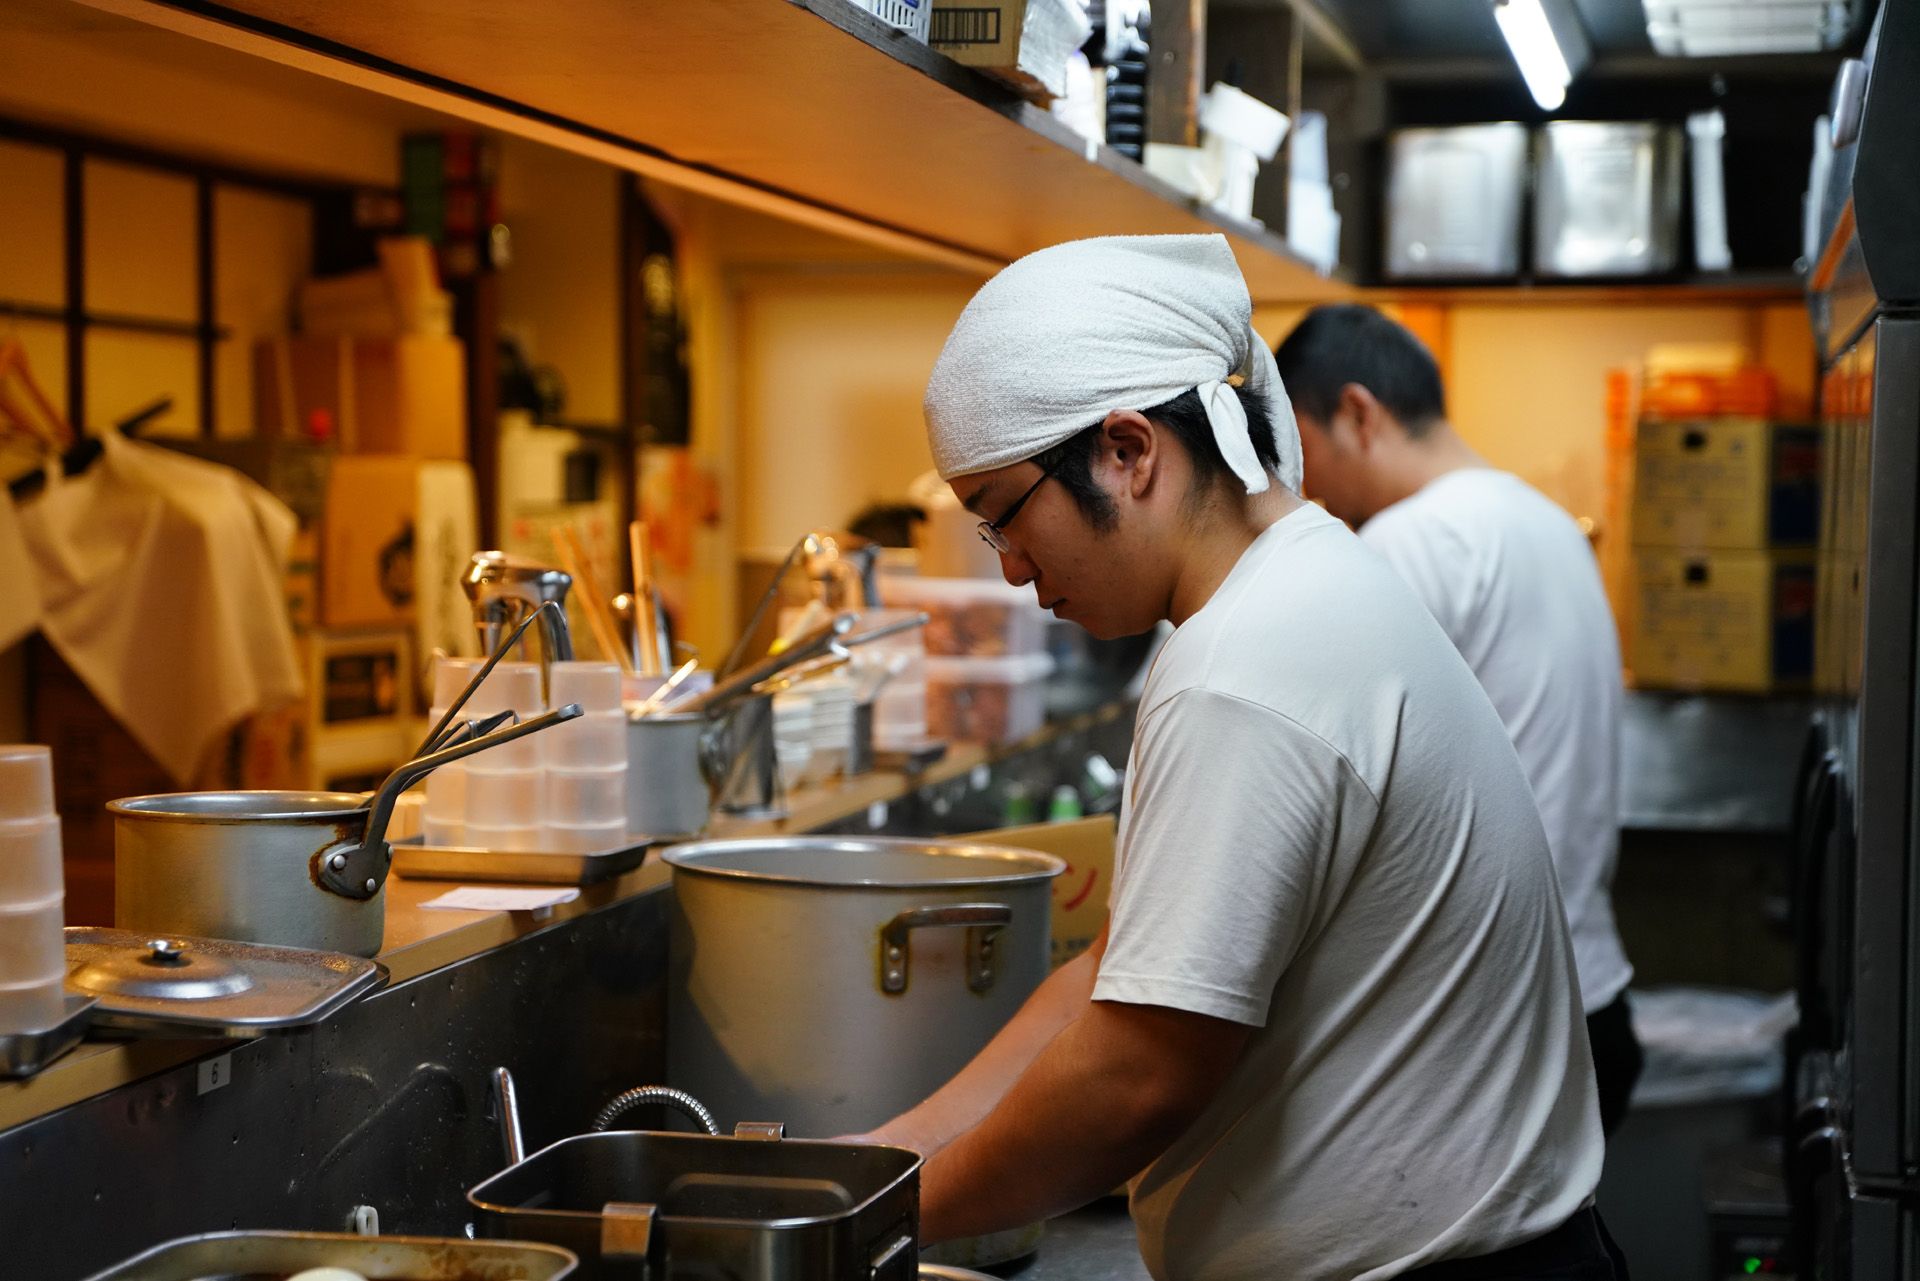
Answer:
(982, 921)
(358, 871)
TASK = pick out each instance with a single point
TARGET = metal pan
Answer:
(216, 1256)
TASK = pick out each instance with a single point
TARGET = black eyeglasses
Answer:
(990, 529)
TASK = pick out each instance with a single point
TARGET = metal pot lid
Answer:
(864, 863)
(183, 986)
(169, 969)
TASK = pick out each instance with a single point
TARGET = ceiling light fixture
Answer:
(1548, 43)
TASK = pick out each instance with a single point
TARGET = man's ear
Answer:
(1129, 451)
(1367, 415)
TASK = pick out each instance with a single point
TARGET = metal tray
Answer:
(220, 1255)
(535, 867)
(24, 1053)
(288, 987)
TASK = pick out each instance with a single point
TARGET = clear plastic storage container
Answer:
(987, 700)
(971, 617)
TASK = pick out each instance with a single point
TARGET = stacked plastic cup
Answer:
(584, 806)
(33, 963)
(490, 800)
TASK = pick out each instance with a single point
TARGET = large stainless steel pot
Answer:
(834, 983)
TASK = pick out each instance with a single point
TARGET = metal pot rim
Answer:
(204, 808)
(1038, 867)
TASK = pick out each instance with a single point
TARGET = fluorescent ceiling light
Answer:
(1548, 44)
(1708, 28)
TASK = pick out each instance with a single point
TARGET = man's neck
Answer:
(1217, 542)
(1421, 460)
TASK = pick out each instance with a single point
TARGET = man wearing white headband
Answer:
(1332, 1028)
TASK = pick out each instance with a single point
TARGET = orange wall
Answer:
(1526, 380)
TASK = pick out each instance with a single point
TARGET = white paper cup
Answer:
(30, 868)
(586, 797)
(26, 781)
(32, 948)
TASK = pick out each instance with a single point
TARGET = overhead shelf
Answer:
(1704, 290)
(813, 108)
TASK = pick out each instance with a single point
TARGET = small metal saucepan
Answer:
(297, 869)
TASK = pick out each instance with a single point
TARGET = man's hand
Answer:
(1098, 1105)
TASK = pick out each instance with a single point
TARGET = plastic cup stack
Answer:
(584, 802)
(490, 800)
(33, 963)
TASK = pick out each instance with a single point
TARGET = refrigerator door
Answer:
(1884, 1124)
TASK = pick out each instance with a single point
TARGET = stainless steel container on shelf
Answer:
(1454, 201)
(1606, 198)
(833, 983)
(242, 865)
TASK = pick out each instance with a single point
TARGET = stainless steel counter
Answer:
(1094, 1243)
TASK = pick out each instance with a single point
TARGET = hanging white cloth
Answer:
(20, 599)
(163, 584)
(1064, 336)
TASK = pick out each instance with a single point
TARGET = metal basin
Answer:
(685, 1205)
(272, 1256)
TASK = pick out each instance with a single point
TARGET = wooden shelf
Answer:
(1699, 290)
(807, 108)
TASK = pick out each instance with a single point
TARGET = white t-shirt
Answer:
(1513, 583)
(1326, 836)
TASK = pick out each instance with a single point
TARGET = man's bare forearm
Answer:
(1102, 1100)
(961, 1103)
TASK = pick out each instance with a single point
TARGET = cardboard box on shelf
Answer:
(1737, 621)
(1027, 43)
(1734, 483)
(399, 395)
(1079, 893)
(396, 535)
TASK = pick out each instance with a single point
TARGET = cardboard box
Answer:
(1734, 483)
(404, 395)
(1080, 893)
(1738, 621)
(396, 535)
(1027, 43)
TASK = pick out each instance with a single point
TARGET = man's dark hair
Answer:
(1343, 343)
(1071, 461)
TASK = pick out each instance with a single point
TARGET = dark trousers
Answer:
(1577, 1250)
(1616, 1059)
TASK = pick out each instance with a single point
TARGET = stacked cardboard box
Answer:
(1726, 512)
